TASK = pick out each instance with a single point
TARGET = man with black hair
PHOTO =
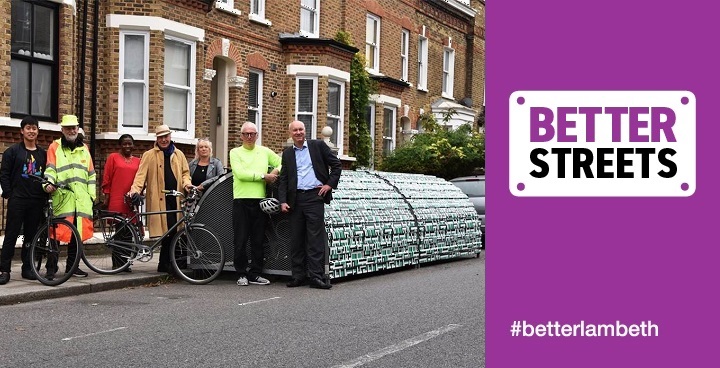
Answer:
(26, 198)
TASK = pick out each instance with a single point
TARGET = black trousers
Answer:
(308, 236)
(164, 261)
(26, 214)
(248, 223)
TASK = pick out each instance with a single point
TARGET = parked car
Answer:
(474, 188)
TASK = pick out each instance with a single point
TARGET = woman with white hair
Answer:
(205, 169)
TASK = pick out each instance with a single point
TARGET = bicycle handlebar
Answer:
(43, 180)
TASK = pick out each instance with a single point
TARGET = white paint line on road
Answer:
(258, 301)
(367, 358)
(93, 334)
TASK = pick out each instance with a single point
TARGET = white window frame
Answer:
(340, 118)
(392, 137)
(316, 24)
(227, 6)
(371, 105)
(121, 92)
(448, 78)
(404, 52)
(313, 126)
(258, 15)
(422, 63)
(190, 129)
(259, 108)
(375, 66)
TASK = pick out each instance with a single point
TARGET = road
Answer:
(433, 316)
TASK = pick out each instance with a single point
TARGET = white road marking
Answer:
(93, 334)
(258, 301)
(367, 358)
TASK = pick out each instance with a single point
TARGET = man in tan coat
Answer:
(162, 168)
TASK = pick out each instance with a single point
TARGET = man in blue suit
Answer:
(310, 172)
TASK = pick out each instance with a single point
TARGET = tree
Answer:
(440, 152)
(361, 87)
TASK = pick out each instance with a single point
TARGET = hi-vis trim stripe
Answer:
(74, 166)
(74, 214)
(78, 180)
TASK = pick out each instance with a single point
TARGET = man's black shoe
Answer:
(4, 278)
(80, 273)
(296, 283)
(28, 275)
(319, 284)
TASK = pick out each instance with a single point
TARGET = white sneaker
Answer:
(242, 281)
(260, 281)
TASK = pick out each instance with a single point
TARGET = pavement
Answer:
(19, 290)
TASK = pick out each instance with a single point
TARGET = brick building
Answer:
(204, 67)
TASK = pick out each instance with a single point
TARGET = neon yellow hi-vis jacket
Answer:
(75, 169)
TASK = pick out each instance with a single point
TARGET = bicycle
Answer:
(53, 243)
(194, 247)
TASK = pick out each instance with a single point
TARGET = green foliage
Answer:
(361, 87)
(438, 152)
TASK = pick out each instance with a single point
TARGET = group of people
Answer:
(305, 174)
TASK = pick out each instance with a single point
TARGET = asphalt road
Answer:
(433, 316)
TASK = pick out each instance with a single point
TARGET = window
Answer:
(179, 87)
(448, 72)
(255, 85)
(370, 119)
(133, 94)
(404, 48)
(372, 42)
(389, 129)
(257, 7)
(306, 104)
(309, 17)
(33, 65)
(422, 63)
(335, 113)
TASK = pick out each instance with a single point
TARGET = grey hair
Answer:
(197, 146)
(248, 124)
(295, 121)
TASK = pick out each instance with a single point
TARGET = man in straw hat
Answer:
(163, 167)
(69, 163)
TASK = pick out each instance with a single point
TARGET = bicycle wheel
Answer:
(108, 257)
(58, 246)
(197, 256)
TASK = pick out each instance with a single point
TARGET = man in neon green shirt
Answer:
(250, 163)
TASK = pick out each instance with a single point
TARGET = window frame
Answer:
(316, 20)
(375, 68)
(404, 55)
(448, 77)
(313, 114)
(146, 82)
(259, 95)
(31, 60)
(260, 13)
(340, 118)
(392, 138)
(371, 126)
(422, 63)
(189, 131)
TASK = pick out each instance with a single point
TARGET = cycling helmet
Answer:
(270, 206)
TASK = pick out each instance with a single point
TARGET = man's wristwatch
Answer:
(262, 176)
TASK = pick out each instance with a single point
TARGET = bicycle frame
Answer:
(144, 252)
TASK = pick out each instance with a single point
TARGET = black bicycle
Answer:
(196, 253)
(57, 243)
